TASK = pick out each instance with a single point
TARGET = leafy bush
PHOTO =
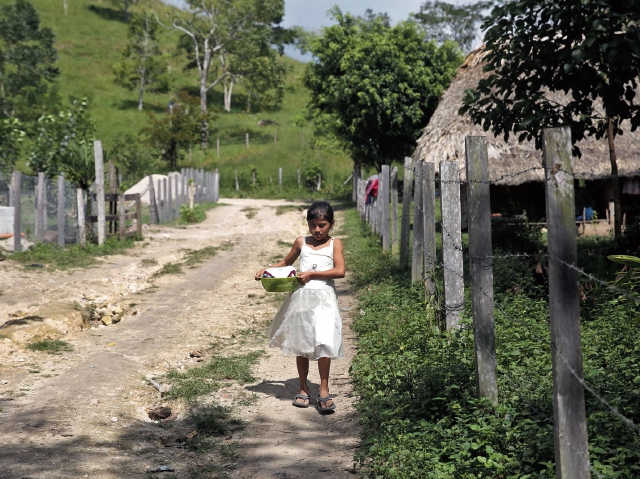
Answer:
(419, 412)
(191, 216)
(311, 169)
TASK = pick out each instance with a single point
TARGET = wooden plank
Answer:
(280, 177)
(570, 432)
(169, 199)
(82, 233)
(481, 266)
(39, 209)
(122, 222)
(216, 185)
(393, 185)
(61, 217)
(138, 215)
(153, 205)
(417, 261)
(405, 231)
(451, 243)
(113, 190)
(384, 208)
(99, 160)
(17, 211)
(429, 205)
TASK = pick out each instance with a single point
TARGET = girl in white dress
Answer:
(308, 323)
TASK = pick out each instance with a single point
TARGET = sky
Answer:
(312, 15)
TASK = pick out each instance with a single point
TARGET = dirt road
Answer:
(84, 413)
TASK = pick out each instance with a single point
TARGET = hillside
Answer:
(89, 40)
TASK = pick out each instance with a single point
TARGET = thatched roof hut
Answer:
(443, 139)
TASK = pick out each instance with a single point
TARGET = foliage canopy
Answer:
(374, 87)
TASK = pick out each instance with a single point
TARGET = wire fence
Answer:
(428, 268)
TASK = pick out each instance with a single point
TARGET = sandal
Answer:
(325, 409)
(304, 397)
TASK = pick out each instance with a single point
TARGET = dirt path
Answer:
(84, 413)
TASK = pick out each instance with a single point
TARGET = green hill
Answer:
(89, 40)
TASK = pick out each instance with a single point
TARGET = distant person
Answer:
(308, 324)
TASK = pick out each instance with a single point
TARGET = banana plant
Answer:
(630, 274)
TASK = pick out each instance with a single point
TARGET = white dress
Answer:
(308, 323)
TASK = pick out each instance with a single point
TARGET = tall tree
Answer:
(27, 59)
(588, 50)
(175, 132)
(374, 87)
(142, 66)
(443, 21)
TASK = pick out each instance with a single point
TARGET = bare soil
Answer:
(84, 413)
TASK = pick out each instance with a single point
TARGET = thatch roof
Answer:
(444, 136)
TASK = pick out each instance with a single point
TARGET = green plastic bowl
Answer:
(279, 285)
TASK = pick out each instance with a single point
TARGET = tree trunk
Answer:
(615, 182)
(203, 108)
(228, 90)
(141, 90)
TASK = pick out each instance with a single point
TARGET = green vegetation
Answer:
(50, 346)
(419, 411)
(53, 257)
(201, 380)
(192, 258)
(194, 215)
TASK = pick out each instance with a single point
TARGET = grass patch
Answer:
(201, 380)
(285, 243)
(168, 268)
(250, 212)
(282, 209)
(148, 263)
(52, 257)
(50, 346)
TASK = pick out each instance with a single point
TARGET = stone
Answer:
(106, 320)
(159, 412)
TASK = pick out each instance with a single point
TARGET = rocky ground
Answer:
(127, 322)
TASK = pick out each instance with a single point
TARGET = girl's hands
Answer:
(304, 278)
(259, 274)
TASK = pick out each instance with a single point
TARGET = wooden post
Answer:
(61, 215)
(275, 137)
(185, 194)
(407, 192)
(384, 209)
(39, 208)
(280, 178)
(169, 199)
(417, 261)
(481, 265)
(82, 233)
(138, 216)
(99, 159)
(17, 211)
(237, 182)
(247, 139)
(451, 242)
(319, 182)
(192, 193)
(298, 178)
(216, 185)
(429, 206)
(122, 221)
(113, 189)
(153, 204)
(570, 433)
(393, 185)
(357, 173)
(218, 146)
(164, 201)
(177, 202)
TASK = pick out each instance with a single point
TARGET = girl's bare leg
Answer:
(303, 371)
(324, 365)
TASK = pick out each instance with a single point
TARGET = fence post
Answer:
(82, 233)
(357, 173)
(275, 137)
(169, 199)
(61, 215)
(237, 183)
(481, 265)
(17, 211)
(417, 262)
(178, 197)
(99, 159)
(407, 192)
(218, 146)
(280, 177)
(216, 185)
(319, 182)
(138, 215)
(113, 189)
(164, 201)
(39, 209)
(247, 139)
(393, 185)
(298, 178)
(384, 209)
(451, 242)
(570, 434)
(429, 205)
(154, 217)
(122, 223)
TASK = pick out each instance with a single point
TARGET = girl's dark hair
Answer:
(320, 210)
